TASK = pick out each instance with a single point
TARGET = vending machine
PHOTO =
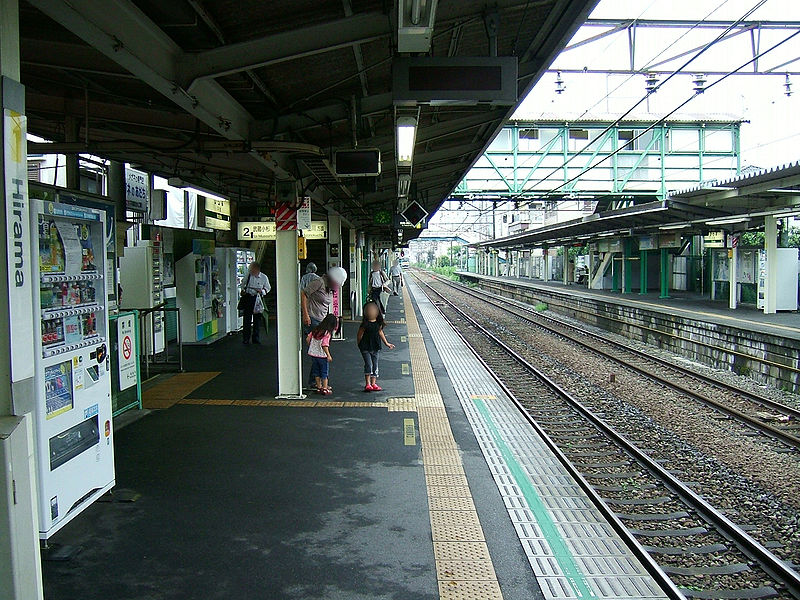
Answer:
(233, 264)
(199, 294)
(786, 285)
(72, 400)
(141, 277)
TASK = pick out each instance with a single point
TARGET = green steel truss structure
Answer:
(615, 164)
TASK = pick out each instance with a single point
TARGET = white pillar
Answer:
(20, 561)
(546, 264)
(287, 271)
(355, 274)
(565, 270)
(771, 249)
(732, 266)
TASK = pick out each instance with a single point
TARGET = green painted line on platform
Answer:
(557, 544)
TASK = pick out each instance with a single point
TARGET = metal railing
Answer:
(151, 356)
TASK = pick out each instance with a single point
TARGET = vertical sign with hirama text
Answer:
(137, 190)
(126, 341)
(19, 243)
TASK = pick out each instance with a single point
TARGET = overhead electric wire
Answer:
(657, 56)
(669, 114)
(655, 89)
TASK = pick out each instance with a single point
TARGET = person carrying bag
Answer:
(379, 285)
(252, 303)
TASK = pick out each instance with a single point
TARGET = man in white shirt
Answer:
(255, 284)
(396, 273)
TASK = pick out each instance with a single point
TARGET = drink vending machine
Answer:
(233, 264)
(72, 400)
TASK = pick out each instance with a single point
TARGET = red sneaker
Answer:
(368, 388)
(376, 388)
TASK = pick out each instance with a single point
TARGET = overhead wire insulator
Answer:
(650, 82)
(699, 83)
(787, 86)
(560, 87)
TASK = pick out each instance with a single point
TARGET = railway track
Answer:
(705, 554)
(746, 407)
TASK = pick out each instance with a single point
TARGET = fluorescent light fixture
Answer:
(609, 234)
(675, 226)
(728, 221)
(406, 137)
(403, 185)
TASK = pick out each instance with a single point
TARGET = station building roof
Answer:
(232, 95)
(736, 204)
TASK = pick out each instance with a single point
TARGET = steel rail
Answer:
(773, 565)
(753, 422)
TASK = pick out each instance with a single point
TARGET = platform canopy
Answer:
(234, 95)
(736, 204)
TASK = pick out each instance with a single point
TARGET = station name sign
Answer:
(214, 213)
(254, 231)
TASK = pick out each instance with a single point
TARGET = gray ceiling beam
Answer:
(280, 47)
(122, 32)
(320, 117)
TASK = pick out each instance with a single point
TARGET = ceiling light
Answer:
(676, 226)
(728, 221)
(406, 137)
(403, 185)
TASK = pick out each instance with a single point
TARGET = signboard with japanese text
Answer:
(215, 213)
(251, 231)
(137, 190)
(127, 356)
(304, 214)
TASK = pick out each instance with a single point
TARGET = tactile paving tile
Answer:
(460, 551)
(443, 469)
(449, 491)
(402, 404)
(445, 503)
(446, 480)
(457, 533)
(467, 570)
(469, 590)
(455, 518)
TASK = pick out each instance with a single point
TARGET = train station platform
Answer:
(766, 347)
(433, 488)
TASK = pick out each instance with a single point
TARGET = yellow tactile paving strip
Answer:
(175, 389)
(295, 403)
(464, 568)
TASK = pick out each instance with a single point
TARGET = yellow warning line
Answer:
(464, 568)
(390, 405)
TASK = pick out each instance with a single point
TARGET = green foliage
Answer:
(446, 271)
(540, 306)
(443, 261)
(752, 239)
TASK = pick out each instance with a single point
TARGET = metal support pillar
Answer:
(615, 269)
(627, 268)
(71, 130)
(733, 257)
(771, 250)
(20, 561)
(496, 263)
(116, 187)
(642, 272)
(355, 274)
(664, 273)
(565, 266)
(287, 274)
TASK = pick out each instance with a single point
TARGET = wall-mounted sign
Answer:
(647, 242)
(304, 214)
(137, 190)
(669, 240)
(214, 213)
(382, 245)
(127, 356)
(254, 211)
(252, 231)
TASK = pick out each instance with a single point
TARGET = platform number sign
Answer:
(126, 352)
(414, 213)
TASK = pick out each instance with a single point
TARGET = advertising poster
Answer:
(127, 352)
(58, 389)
